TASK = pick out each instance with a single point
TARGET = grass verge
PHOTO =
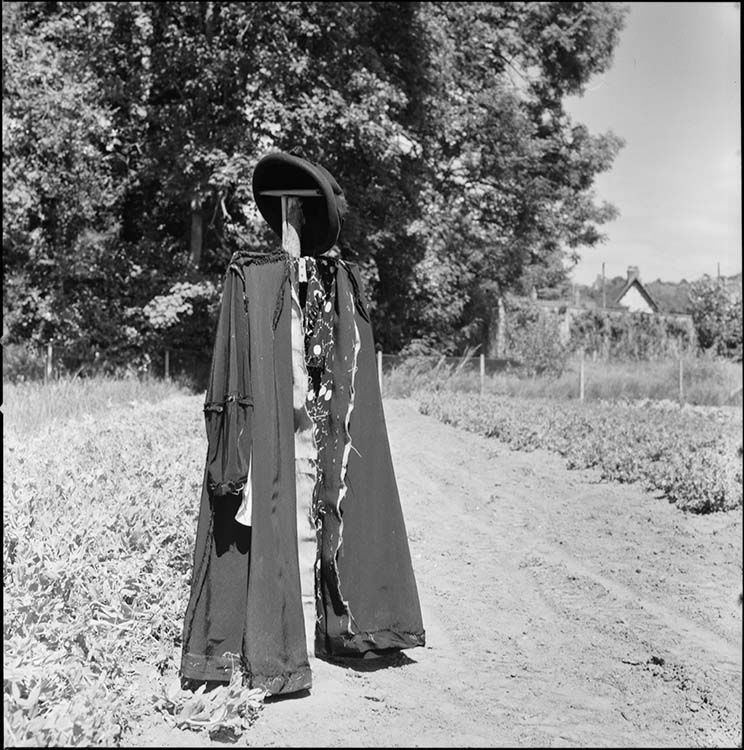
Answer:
(33, 405)
(706, 381)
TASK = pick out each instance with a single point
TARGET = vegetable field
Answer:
(561, 606)
(99, 517)
(693, 456)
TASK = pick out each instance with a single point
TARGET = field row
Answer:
(691, 455)
(100, 496)
(99, 519)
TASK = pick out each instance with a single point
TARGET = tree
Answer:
(442, 121)
(510, 196)
(193, 94)
(717, 316)
(58, 190)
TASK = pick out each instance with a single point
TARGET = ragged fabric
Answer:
(245, 606)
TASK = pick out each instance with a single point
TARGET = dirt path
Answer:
(559, 612)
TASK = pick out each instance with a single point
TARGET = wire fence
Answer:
(23, 362)
(485, 367)
(192, 367)
(489, 365)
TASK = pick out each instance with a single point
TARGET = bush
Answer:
(629, 335)
(717, 314)
(22, 363)
(533, 337)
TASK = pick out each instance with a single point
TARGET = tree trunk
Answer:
(207, 9)
(197, 231)
(496, 322)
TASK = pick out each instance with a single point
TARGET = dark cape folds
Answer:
(245, 607)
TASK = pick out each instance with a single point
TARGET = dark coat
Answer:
(245, 602)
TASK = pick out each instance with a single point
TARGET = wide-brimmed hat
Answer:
(280, 172)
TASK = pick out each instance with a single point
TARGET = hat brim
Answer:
(284, 172)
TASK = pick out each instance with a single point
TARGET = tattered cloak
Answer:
(245, 607)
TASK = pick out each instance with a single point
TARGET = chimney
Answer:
(632, 273)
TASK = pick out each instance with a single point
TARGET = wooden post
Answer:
(581, 374)
(494, 340)
(304, 447)
(167, 364)
(48, 370)
(292, 220)
(482, 373)
(379, 368)
(501, 327)
(681, 378)
(291, 225)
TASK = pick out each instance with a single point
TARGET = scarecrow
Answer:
(293, 405)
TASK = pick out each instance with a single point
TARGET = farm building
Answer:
(619, 298)
(634, 296)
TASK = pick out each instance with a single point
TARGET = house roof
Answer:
(634, 281)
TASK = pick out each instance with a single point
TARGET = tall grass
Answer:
(30, 406)
(706, 381)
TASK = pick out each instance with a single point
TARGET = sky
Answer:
(673, 94)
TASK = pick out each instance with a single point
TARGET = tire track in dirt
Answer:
(558, 611)
(597, 684)
(532, 668)
(530, 641)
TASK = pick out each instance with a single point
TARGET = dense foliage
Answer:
(130, 131)
(97, 554)
(533, 338)
(542, 337)
(714, 304)
(631, 335)
(717, 312)
(693, 457)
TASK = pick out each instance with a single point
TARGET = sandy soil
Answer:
(559, 611)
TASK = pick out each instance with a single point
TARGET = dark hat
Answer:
(321, 204)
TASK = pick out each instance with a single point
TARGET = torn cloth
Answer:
(245, 604)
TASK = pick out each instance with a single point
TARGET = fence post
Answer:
(167, 364)
(482, 373)
(48, 370)
(379, 368)
(681, 379)
(581, 374)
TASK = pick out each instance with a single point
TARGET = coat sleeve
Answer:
(228, 409)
